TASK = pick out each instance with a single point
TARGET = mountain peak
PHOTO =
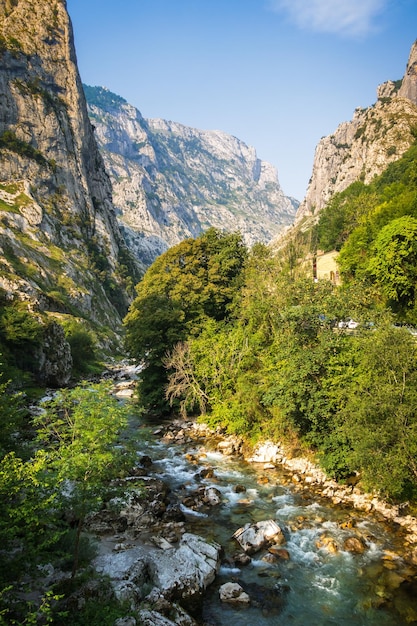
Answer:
(365, 146)
(171, 181)
(47, 146)
(408, 88)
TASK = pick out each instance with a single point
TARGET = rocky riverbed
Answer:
(166, 556)
(207, 531)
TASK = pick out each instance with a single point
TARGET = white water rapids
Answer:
(315, 586)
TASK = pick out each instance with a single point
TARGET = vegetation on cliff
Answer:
(375, 228)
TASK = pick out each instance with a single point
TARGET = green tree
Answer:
(80, 429)
(394, 261)
(28, 521)
(343, 214)
(193, 281)
(379, 417)
(83, 347)
(20, 336)
(12, 414)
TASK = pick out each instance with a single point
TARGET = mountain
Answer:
(60, 244)
(171, 182)
(365, 146)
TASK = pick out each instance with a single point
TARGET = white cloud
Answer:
(348, 17)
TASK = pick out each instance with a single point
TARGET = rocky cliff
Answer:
(171, 182)
(60, 244)
(365, 146)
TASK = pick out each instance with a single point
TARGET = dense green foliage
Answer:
(68, 472)
(279, 366)
(83, 347)
(283, 369)
(191, 283)
(374, 227)
(22, 333)
(20, 337)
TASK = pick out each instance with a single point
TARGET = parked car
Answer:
(350, 323)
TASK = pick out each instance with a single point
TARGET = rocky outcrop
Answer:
(60, 243)
(408, 87)
(179, 574)
(365, 146)
(54, 360)
(171, 182)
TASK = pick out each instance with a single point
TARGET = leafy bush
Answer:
(83, 347)
(10, 141)
(20, 336)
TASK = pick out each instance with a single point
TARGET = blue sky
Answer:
(277, 74)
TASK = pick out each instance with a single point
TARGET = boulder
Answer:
(241, 558)
(254, 537)
(53, 358)
(328, 543)
(279, 553)
(234, 594)
(266, 452)
(181, 574)
(212, 496)
(189, 569)
(354, 544)
(155, 618)
(230, 446)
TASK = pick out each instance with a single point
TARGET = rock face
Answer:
(54, 358)
(408, 87)
(60, 243)
(364, 147)
(171, 182)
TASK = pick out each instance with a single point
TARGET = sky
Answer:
(276, 74)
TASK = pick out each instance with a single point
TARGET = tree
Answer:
(80, 429)
(27, 513)
(394, 261)
(83, 347)
(20, 337)
(11, 416)
(194, 281)
(379, 417)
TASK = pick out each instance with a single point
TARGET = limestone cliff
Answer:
(60, 245)
(365, 146)
(171, 181)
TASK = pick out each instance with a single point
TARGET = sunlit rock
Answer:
(233, 594)
(254, 537)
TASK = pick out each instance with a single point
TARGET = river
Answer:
(321, 583)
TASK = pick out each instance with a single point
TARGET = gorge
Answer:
(122, 236)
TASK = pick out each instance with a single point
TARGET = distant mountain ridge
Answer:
(365, 146)
(171, 181)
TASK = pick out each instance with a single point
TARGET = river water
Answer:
(315, 586)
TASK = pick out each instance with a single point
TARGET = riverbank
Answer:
(154, 549)
(304, 474)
